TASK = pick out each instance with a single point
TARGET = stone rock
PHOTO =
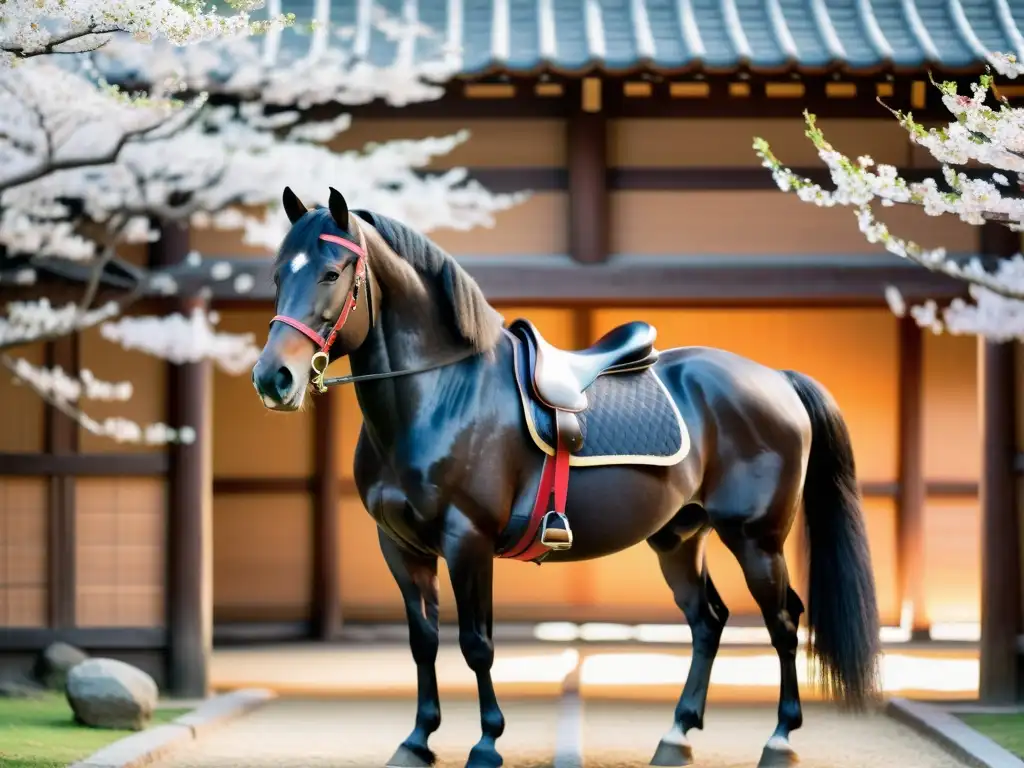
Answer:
(106, 693)
(54, 663)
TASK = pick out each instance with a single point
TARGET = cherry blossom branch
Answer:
(114, 230)
(51, 45)
(35, 28)
(857, 185)
(51, 165)
(56, 388)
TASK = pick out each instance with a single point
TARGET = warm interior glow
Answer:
(567, 632)
(900, 672)
(534, 669)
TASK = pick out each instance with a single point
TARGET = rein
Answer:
(321, 358)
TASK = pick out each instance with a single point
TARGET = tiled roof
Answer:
(572, 36)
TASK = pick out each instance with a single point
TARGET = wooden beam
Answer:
(257, 486)
(28, 639)
(717, 280)
(190, 512)
(709, 178)
(587, 142)
(691, 179)
(61, 441)
(726, 97)
(911, 497)
(83, 465)
(1001, 621)
(326, 587)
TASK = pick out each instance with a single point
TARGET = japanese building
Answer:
(632, 125)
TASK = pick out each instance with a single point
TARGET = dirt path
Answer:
(291, 733)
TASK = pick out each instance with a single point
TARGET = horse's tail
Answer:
(843, 612)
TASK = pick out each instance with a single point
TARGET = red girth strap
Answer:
(350, 301)
(551, 494)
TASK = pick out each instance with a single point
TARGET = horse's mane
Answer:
(471, 316)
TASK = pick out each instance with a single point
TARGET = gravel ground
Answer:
(291, 733)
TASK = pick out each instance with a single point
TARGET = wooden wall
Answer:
(748, 222)
(24, 526)
(22, 410)
(120, 552)
(952, 452)
(262, 540)
(536, 227)
(24, 532)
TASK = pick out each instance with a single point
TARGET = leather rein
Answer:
(321, 359)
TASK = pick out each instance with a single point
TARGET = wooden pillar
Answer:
(587, 143)
(61, 439)
(189, 586)
(326, 522)
(912, 496)
(1001, 620)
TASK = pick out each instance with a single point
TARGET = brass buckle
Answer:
(556, 545)
(319, 365)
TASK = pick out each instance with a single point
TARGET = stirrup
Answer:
(555, 538)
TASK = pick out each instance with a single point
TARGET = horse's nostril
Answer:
(283, 382)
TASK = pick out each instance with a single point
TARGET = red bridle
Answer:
(351, 302)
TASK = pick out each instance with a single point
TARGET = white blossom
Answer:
(182, 339)
(31, 28)
(979, 135)
(59, 385)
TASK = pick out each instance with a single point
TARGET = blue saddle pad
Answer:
(630, 418)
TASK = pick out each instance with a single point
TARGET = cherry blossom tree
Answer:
(209, 141)
(979, 135)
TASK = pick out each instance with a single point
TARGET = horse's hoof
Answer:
(408, 756)
(672, 753)
(484, 757)
(777, 753)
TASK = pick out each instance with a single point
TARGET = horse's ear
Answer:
(292, 205)
(339, 208)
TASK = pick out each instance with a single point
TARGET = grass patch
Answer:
(41, 733)
(1007, 730)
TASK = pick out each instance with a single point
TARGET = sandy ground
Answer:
(295, 733)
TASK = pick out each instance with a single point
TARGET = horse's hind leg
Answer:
(768, 580)
(682, 564)
(417, 579)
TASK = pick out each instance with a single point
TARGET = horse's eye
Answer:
(330, 277)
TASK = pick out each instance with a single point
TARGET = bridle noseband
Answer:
(322, 358)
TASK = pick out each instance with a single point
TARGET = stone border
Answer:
(953, 734)
(152, 744)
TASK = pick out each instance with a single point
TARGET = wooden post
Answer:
(190, 511)
(1001, 620)
(326, 522)
(911, 498)
(61, 439)
(587, 142)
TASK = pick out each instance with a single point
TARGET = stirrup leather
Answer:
(552, 537)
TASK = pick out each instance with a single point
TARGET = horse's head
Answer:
(322, 300)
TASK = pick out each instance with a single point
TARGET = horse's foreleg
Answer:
(470, 558)
(417, 579)
(682, 564)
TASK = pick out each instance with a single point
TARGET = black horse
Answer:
(461, 417)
